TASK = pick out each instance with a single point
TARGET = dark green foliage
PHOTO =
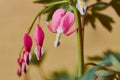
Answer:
(90, 18)
(90, 75)
(95, 58)
(34, 60)
(62, 75)
(116, 6)
(111, 59)
(104, 19)
(105, 74)
(115, 62)
(100, 6)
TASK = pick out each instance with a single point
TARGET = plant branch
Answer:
(55, 3)
(102, 67)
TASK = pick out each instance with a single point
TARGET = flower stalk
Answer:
(80, 36)
(56, 3)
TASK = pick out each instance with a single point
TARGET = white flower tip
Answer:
(56, 44)
(42, 50)
(30, 56)
(36, 53)
(81, 6)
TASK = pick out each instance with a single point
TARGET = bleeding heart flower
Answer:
(24, 59)
(62, 22)
(27, 48)
(39, 38)
(27, 42)
(81, 6)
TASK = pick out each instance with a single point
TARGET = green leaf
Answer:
(62, 75)
(105, 20)
(116, 6)
(89, 18)
(104, 73)
(100, 6)
(115, 62)
(95, 58)
(36, 62)
(90, 75)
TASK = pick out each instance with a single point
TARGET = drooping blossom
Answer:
(39, 38)
(81, 6)
(27, 48)
(61, 22)
(23, 60)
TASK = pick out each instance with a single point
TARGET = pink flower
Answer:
(62, 22)
(22, 66)
(39, 38)
(27, 48)
(23, 60)
(27, 42)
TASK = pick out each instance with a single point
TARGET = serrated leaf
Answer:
(100, 6)
(115, 54)
(106, 62)
(90, 75)
(115, 62)
(89, 18)
(104, 73)
(105, 20)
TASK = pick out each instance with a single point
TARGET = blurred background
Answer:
(16, 17)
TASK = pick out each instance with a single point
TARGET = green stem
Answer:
(80, 43)
(55, 3)
(30, 28)
(80, 38)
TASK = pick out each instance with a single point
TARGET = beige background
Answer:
(16, 16)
